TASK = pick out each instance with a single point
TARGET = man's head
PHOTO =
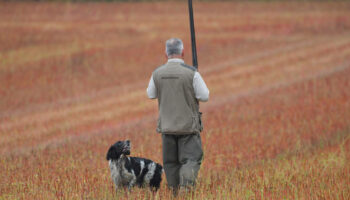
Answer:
(174, 48)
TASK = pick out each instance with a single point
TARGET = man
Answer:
(179, 88)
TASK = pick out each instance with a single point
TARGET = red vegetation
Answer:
(73, 80)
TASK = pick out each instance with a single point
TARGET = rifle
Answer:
(193, 35)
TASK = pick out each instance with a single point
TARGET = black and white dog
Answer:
(129, 171)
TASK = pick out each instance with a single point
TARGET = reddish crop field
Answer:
(73, 80)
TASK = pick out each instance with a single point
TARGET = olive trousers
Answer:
(182, 157)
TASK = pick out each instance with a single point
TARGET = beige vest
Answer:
(177, 104)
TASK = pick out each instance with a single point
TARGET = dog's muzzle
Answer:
(126, 147)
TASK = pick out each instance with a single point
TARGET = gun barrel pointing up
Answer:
(193, 35)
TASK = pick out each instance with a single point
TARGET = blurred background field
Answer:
(73, 79)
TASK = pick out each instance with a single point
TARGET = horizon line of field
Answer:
(222, 99)
(109, 91)
(146, 119)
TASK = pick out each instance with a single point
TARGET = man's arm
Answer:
(200, 88)
(152, 90)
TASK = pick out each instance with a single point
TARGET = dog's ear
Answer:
(112, 154)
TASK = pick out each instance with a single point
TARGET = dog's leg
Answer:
(132, 183)
(117, 183)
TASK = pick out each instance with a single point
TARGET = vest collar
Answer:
(178, 60)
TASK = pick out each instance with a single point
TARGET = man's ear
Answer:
(183, 54)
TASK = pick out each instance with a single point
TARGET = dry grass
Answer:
(73, 80)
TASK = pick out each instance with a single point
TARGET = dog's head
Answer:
(120, 148)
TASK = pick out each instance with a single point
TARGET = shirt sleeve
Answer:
(200, 88)
(152, 90)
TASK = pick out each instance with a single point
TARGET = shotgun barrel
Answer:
(193, 35)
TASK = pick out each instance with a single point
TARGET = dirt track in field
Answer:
(92, 108)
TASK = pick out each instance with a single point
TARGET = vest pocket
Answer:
(200, 122)
(194, 124)
(197, 126)
(159, 130)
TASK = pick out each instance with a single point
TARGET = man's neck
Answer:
(180, 60)
(175, 56)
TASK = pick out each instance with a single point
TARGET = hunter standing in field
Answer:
(179, 88)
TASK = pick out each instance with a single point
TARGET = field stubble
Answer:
(73, 79)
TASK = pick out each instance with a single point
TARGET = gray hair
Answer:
(173, 46)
